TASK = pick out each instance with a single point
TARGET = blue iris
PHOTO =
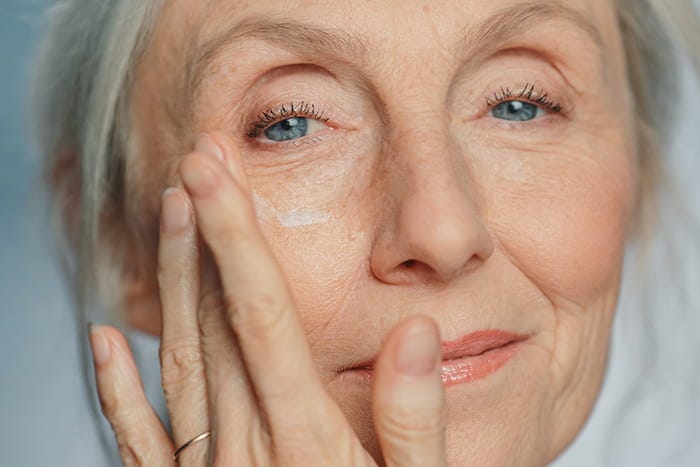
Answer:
(515, 111)
(291, 128)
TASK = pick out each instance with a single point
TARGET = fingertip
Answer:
(417, 352)
(139, 433)
(99, 344)
(175, 212)
(231, 157)
(112, 333)
(118, 347)
(407, 370)
(207, 144)
(199, 173)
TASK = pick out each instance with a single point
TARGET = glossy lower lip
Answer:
(470, 368)
(469, 358)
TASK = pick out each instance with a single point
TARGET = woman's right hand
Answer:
(234, 355)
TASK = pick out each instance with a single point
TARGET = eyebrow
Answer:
(510, 22)
(310, 40)
(300, 38)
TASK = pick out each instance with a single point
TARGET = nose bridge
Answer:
(434, 221)
(435, 185)
(428, 161)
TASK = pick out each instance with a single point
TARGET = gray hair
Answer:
(81, 94)
(83, 83)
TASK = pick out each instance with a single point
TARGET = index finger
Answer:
(257, 299)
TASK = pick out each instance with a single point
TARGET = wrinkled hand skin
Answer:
(234, 355)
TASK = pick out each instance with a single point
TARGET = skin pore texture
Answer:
(408, 195)
(297, 217)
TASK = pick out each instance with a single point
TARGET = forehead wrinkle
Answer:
(301, 38)
(510, 22)
(314, 41)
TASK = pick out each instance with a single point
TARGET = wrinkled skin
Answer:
(410, 195)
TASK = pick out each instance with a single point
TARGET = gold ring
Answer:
(196, 439)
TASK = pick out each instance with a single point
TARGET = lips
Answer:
(478, 343)
(468, 358)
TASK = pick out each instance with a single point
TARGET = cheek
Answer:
(564, 223)
(315, 221)
(322, 265)
(560, 216)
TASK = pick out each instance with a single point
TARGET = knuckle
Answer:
(253, 448)
(133, 449)
(180, 364)
(263, 316)
(130, 456)
(197, 454)
(138, 451)
(137, 447)
(111, 406)
(209, 305)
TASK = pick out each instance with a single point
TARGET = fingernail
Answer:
(417, 354)
(174, 214)
(99, 344)
(206, 144)
(198, 177)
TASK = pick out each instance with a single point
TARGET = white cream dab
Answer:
(295, 218)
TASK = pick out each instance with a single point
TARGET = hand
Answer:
(234, 355)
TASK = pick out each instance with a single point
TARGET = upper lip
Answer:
(468, 345)
(478, 343)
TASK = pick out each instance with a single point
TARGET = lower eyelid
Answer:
(543, 122)
(267, 145)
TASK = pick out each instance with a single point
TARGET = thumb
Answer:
(408, 399)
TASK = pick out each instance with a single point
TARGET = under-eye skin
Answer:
(522, 106)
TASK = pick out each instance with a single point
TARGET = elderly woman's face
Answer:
(466, 160)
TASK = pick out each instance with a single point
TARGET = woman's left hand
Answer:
(234, 355)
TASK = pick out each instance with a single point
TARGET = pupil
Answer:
(289, 124)
(515, 106)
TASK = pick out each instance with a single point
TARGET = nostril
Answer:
(410, 263)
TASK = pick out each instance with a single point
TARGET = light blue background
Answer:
(43, 414)
(44, 417)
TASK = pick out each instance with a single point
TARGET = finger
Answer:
(182, 368)
(258, 302)
(408, 397)
(234, 412)
(141, 438)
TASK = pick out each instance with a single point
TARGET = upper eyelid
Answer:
(529, 93)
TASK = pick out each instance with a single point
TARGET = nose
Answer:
(430, 229)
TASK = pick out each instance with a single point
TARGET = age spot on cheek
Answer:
(298, 217)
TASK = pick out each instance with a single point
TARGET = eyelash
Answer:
(528, 93)
(305, 109)
(269, 117)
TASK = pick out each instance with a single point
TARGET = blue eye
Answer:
(515, 111)
(285, 130)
